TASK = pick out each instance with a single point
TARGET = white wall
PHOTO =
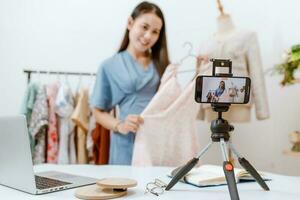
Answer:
(75, 35)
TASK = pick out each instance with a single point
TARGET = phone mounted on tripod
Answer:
(222, 89)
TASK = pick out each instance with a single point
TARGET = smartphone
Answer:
(218, 89)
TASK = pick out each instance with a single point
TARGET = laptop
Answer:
(16, 167)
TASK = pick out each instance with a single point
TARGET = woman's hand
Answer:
(131, 124)
(202, 59)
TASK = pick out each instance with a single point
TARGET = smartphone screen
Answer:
(212, 89)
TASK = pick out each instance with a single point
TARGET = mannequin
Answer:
(225, 25)
(224, 21)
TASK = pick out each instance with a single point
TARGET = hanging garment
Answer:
(80, 117)
(27, 106)
(38, 125)
(242, 48)
(121, 81)
(52, 135)
(168, 136)
(64, 106)
(89, 139)
(101, 139)
(28, 100)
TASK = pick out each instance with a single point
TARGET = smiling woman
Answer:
(144, 33)
(146, 26)
(130, 78)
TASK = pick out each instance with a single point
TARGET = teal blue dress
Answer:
(121, 81)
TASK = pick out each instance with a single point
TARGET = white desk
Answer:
(282, 187)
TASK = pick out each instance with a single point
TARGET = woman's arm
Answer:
(105, 119)
(130, 124)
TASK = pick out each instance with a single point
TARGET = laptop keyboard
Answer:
(44, 183)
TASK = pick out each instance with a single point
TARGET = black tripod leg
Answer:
(249, 168)
(230, 178)
(229, 173)
(187, 167)
(183, 171)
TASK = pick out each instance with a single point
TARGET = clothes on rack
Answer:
(52, 139)
(242, 48)
(58, 125)
(27, 106)
(168, 136)
(64, 107)
(39, 124)
(89, 139)
(101, 142)
(80, 118)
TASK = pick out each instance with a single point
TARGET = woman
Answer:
(219, 91)
(130, 78)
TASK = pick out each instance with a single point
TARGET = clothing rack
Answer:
(29, 72)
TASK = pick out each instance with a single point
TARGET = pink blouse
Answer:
(168, 136)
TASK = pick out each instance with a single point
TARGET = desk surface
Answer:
(282, 187)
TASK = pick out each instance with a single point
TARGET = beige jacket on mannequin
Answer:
(242, 48)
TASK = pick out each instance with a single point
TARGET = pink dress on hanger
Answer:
(52, 135)
(168, 136)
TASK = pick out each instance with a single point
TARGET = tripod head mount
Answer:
(220, 128)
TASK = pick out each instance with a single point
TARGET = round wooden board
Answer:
(117, 183)
(94, 192)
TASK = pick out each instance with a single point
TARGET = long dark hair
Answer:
(159, 51)
(222, 87)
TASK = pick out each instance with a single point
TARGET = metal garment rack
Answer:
(29, 72)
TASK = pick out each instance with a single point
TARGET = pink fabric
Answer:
(168, 136)
(52, 141)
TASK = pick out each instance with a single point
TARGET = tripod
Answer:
(220, 129)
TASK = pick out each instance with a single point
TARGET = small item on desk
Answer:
(213, 175)
(117, 183)
(96, 193)
(107, 188)
(157, 187)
